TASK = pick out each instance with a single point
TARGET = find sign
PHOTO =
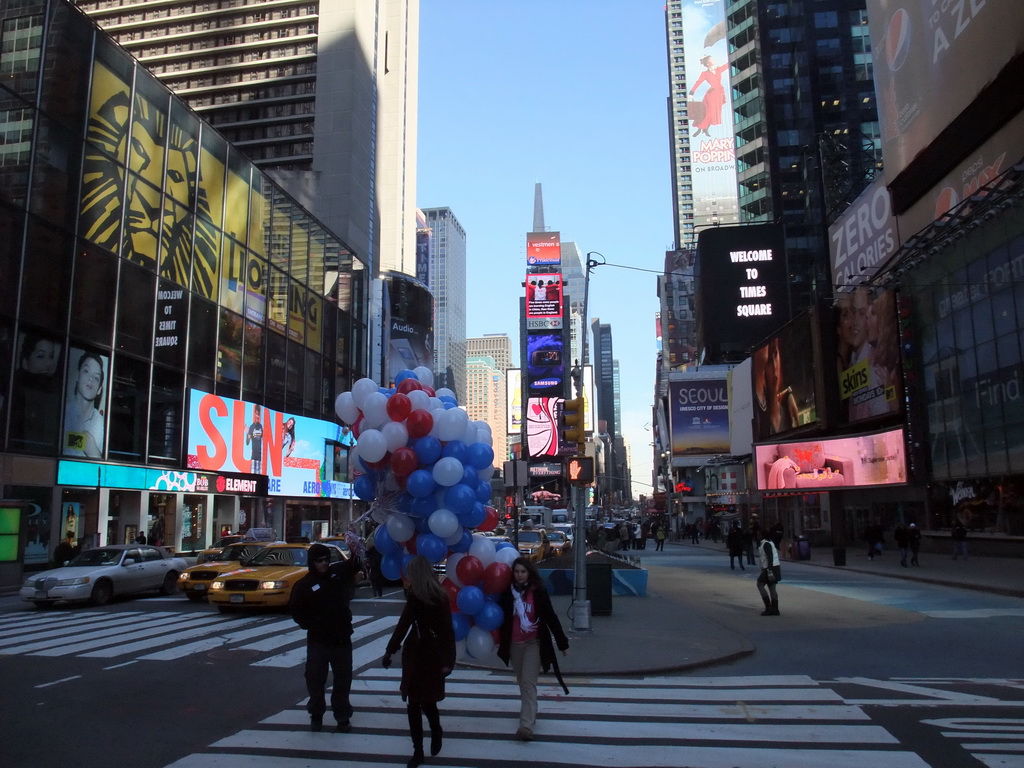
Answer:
(580, 470)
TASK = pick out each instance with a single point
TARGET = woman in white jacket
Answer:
(771, 574)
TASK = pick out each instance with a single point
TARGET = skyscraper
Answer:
(485, 399)
(321, 96)
(447, 281)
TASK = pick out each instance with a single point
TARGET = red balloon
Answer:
(429, 390)
(357, 425)
(419, 423)
(496, 635)
(404, 462)
(469, 571)
(405, 386)
(399, 406)
(453, 592)
(490, 519)
(411, 543)
(497, 578)
(382, 464)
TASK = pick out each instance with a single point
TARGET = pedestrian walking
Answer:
(747, 540)
(902, 538)
(320, 605)
(659, 536)
(624, 536)
(914, 538)
(694, 533)
(770, 576)
(528, 637)
(959, 534)
(734, 543)
(427, 640)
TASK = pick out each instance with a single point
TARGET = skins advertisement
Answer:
(712, 143)
(227, 435)
(699, 416)
(868, 367)
(931, 59)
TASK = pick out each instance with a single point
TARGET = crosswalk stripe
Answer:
(66, 629)
(158, 630)
(211, 643)
(43, 623)
(361, 630)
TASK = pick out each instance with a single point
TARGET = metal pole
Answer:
(580, 604)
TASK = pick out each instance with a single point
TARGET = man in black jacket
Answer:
(320, 605)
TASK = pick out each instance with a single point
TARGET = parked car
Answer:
(195, 581)
(560, 543)
(534, 545)
(100, 574)
(267, 579)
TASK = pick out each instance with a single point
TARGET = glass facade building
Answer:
(143, 257)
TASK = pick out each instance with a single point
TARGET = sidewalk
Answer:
(657, 634)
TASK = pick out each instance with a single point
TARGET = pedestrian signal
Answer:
(580, 470)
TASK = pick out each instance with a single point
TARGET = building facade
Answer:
(485, 399)
(174, 322)
(447, 281)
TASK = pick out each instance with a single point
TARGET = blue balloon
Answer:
(431, 547)
(422, 524)
(481, 455)
(469, 476)
(385, 390)
(476, 515)
(365, 488)
(448, 399)
(420, 483)
(391, 566)
(463, 544)
(457, 450)
(470, 600)
(459, 498)
(490, 616)
(383, 542)
(483, 492)
(450, 404)
(428, 449)
(405, 374)
(423, 507)
(504, 545)
(460, 623)
(406, 559)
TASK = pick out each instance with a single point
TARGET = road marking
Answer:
(58, 682)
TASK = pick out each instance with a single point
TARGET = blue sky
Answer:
(571, 94)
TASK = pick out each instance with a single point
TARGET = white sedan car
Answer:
(97, 575)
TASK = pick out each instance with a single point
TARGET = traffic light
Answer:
(580, 470)
(572, 424)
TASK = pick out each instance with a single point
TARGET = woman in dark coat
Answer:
(526, 638)
(427, 639)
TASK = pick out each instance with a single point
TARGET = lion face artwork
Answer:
(140, 188)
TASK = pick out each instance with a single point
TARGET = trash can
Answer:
(839, 555)
(599, 588)
(803, 548)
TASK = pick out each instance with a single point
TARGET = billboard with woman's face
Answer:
(868, 363)
(784, 383)
(85, 421)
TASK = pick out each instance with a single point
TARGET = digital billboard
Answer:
(863, 237)
(826, 464)
(784, 386)
(543, 249)
(85, 421)
(868, 367)
(409, 324)
(742, 288)
(699, 416)
(712, 142)
(514, 397)
(544, 301)
(226, 435)
(542, 426)
(545, 364)
(931, 59)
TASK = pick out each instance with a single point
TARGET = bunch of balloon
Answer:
(475, 580)
(425, 470)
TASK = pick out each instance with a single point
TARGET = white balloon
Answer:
(375, 410)
(455, 538)
(470, 435)
(506, 555)
(361, 389)
(435, 404)
(447, 471)
(379, 514)
(401, 527)
(443, 523)
(444, 391)
(485, 474)
(460, 649)
(396, 434)
(453, 425)
(424, 375)
(346, 408)
(479, 643)
(449, 567)
(482, 549)
(373, 446)
(484, 437)
(481, 424)
(420, 400)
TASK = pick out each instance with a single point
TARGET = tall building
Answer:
(700, 118)
(494, 345)
(612, 486)
(321, 96)
(807, 131)
(485, 399)
(447, 281)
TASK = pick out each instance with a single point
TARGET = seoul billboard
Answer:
(699, 416)
(296, 453)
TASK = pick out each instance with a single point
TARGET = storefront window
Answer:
(193, 524)
(160, 522)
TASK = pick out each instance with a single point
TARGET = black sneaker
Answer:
(343, 727)
(316, 724)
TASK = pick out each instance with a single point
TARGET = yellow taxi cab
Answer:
(339, 542)
(534, 544)
(267, 579)
(213, 552)
(195, 581)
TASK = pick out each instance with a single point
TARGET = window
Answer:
(165, 415)
(129, 403)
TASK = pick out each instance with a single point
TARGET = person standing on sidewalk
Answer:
(914, 539)
(526, 638)
(734, 543)
(959, 540)
(320, 605)
(902, 539)
(427, 640)
(659, 536)
(770, 576)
